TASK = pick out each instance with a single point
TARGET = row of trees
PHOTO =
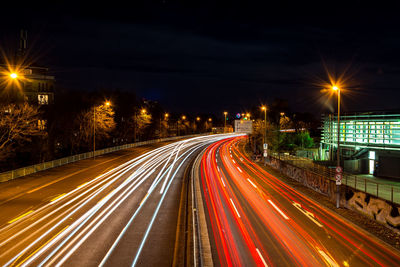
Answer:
(284, 132)
(30, 134)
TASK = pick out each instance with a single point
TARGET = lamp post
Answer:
(225, 113)
(107, 103)
(338, 168)
(166, 115)
(264, 108)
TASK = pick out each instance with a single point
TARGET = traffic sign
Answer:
(265, 146)
(338, 178)
(339, 169)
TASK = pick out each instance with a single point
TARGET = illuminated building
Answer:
(369, 142)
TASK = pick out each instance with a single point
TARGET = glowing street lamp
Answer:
(13, 75)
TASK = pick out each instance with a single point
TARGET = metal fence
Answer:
(13, 174)
(381, 190)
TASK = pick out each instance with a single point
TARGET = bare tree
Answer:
(101, 118)
(18, 124)
(141, 122)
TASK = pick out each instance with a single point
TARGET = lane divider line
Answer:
(235, 207)
(222, 180)
(23, 215)
(239, 169)
(252, 183)
(280, 212)
(262, 258)
(307, 213)
(19, 264)
(58, 197)
(328, 259)
(79, 186)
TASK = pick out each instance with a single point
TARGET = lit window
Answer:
(43, 99)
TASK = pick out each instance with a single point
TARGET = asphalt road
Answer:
(256, 220)
(118, 210)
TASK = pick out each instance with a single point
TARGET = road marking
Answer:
(239, 169)
(329, 260)
(307, 213)
(16, 219)
(262, 258)
(58, 197)
(222, 180)
(79, 186)
(235, 208)
(19, 264)
(143, 199)
(218, 169)
(251, 183)
(231, 155)
(281, 212)
(234, 161)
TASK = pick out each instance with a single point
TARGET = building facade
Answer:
(369, 142)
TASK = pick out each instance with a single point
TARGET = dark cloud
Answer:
(213, 55)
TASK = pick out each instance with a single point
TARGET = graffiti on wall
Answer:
(309, 179)
(375, 208)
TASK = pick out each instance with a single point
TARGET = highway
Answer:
(254, 219)
(125, 214)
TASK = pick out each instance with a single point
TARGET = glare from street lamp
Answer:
(166, 115)
(14, 75)
(263, 108)
(108, 103)
(335, 88)
(225, 113)
(209, 119)
(143, 111)
(183, 117)
(198, 118)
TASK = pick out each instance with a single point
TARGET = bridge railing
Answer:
(385, 191)
(13, 174)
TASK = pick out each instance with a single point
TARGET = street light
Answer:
(13, 75)
(338, 168)
(107, 103)
(225, 113)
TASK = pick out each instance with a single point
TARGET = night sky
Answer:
(210, 56)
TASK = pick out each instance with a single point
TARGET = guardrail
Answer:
(380, 190)
(13, 174)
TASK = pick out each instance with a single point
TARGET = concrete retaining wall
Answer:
(375, 208)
